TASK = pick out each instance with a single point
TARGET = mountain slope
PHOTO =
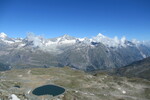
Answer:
(137, 69)
(99, 52)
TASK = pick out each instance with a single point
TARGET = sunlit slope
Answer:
(78, 84)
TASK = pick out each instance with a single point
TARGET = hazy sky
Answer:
(80, 18)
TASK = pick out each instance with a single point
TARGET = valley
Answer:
(97, 70)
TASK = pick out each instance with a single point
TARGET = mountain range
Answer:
(99, 52)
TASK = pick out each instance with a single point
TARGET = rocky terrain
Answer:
(19, 84)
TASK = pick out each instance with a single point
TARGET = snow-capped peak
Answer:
(69, 40)
(67, 37)
(100, 35)
(3, 35)
(110, 42)
(85, 40)
(102, 39)
(5, 39)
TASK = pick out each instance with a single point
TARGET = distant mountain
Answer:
(136, 69)
(99, 52)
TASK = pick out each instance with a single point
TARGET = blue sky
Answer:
(79, 18)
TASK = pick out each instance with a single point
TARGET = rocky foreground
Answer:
(18, 85)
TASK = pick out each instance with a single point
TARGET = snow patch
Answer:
(21, 45)
(14, 97)
(3, 35)
(143, 55)
(29, 91)
(9, 42)
(67, 42)
(76, 91)
(124, 92)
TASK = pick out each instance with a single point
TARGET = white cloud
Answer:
(37, 40)
(123, 39)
